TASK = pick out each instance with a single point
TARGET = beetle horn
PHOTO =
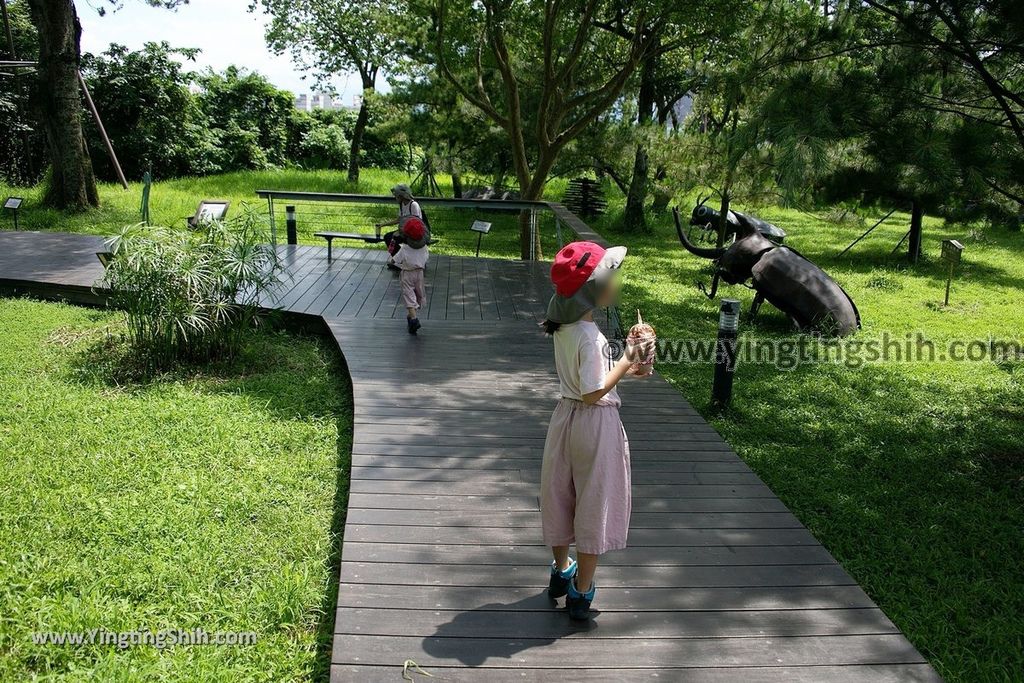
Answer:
(690, 246)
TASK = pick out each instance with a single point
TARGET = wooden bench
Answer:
(331, 236)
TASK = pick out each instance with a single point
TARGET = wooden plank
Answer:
(369, 409)
(729, 604)
(516, 425)
(499, 503)
(446, 488)
(400, 436)
(531, 519)
(555, 653)
(455, 309)
(471, 308)
(499, 461)
(721, 587)
(888, 673)
(532, 475)
(489, 306)
(638, 538)
(437, 297)
(533, 616)
(784, 558)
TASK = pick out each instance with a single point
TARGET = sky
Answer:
(225, 31)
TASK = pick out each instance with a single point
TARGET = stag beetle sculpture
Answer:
(780, 275)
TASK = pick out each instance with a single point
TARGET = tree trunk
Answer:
(359, 131)
(916, 223)
(634, 217)
(456, 184)
(533, 190)
(723, 224)
(71, 184)
(662, 197)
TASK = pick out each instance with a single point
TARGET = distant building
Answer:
(324, 100)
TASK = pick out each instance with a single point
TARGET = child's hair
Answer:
(550, 327)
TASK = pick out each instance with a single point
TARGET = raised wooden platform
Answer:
(442, 560)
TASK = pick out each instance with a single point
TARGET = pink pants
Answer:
(585, 479)
(412, 288)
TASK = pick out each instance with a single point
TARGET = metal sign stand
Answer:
(952, 251)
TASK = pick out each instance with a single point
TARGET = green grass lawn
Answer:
(211, 498)
(911, 474)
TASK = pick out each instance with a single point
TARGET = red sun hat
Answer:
(414, 229)
(577, 262)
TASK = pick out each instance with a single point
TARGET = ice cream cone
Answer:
(640, 333)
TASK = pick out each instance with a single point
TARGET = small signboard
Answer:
(13, 203)
(951, 251)
(481, 227)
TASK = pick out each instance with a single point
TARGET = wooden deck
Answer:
(442, 559)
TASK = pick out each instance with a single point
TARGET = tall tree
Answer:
(542, 98)
(72, 184)
(683, 37)
(331, 37)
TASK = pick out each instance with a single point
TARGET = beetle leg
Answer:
(714, 286)
(755, 305)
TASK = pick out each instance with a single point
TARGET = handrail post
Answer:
(273, 223)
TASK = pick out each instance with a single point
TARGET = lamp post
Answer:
(725, 353)
(291, 224)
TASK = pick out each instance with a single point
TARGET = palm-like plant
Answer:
(190, 295)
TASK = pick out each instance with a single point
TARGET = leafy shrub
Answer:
(149, 111)
(190, 295)
(324, 146)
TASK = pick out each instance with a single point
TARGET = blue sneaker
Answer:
(560, 581)
(579, 603)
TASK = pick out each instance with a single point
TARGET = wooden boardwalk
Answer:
(442, 560)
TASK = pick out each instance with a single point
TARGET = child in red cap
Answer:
(411, 259)
(585, 476)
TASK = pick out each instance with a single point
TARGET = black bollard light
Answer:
(725, 353)
(291, 224)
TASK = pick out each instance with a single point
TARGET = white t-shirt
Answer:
(408, 258)
(407, 210)
(582, 361)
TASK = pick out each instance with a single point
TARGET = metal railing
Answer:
(450, 220)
